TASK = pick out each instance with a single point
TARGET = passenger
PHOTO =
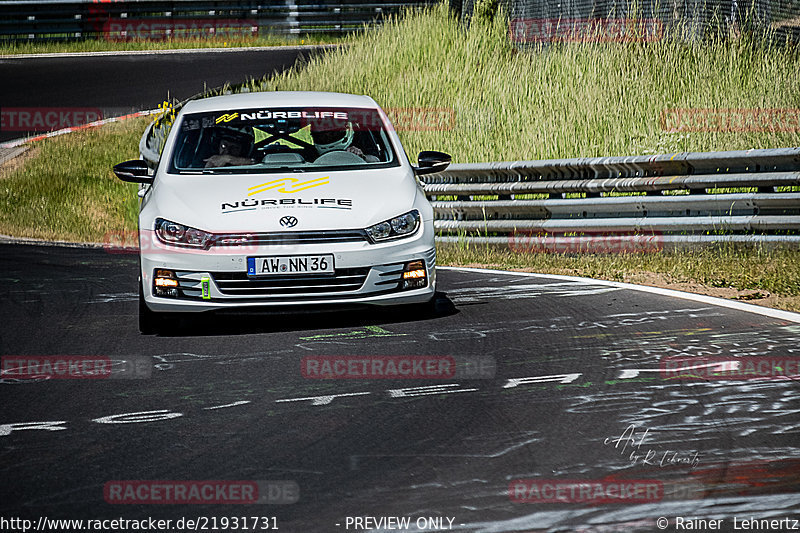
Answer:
(233, 150)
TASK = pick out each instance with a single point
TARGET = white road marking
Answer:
(730, 304)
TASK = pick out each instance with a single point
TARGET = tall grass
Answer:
(565, 100)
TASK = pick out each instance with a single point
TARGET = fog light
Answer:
(414, 275)
(166, 284)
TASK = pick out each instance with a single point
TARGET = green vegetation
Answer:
(568, 100)
(759, 274)
(102, 45)
(66, 190)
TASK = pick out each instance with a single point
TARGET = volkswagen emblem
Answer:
(288, 222)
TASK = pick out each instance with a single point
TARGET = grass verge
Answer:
(759, 275)
(101, 45)
(66, 190)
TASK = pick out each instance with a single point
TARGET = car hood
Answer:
(257, 202)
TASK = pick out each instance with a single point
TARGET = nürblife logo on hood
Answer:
(287, 185)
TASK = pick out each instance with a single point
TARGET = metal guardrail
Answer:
(48, 20)
(677, 200)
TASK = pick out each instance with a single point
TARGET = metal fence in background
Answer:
(47, 20)
(676, 200)
(543, 21)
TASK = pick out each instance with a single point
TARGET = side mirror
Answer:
(135, 171)
(431, 161)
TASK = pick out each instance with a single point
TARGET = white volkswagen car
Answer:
(282, 199)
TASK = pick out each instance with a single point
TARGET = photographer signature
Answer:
(627, 444)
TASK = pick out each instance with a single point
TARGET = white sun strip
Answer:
(720, 302)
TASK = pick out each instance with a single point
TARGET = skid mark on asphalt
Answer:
(641, 518)
(105, 298)
(527, 290)
(487, 446)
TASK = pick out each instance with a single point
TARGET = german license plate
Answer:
(290, 264)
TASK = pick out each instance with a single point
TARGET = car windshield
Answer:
(281, 139)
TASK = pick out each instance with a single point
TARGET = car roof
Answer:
(277, 99)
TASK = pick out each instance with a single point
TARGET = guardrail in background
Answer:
(48, 20)
(677, 200)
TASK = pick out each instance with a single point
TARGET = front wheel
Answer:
(148, 319)
(439, 305)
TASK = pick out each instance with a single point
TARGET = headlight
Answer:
(179, 235)
(394, 228)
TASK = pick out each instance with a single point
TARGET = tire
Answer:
(438, 306)
(148, 320)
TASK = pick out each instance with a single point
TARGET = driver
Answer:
(330, 137)
(232, 150)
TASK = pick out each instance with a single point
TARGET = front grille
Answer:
(239, 284)
(291, 237)
(392, 278)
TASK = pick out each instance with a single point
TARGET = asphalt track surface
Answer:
(123, 83)
(226, 400)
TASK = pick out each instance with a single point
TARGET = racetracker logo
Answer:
(585, 491)
(46, 118)
(37, 368)
(378, 367)
(730, 120)
(398, 367)
(201, 492)
(160, 29)
(546, 30)
(422, 118)
(730, 368)
(585, 242)
(146, 241)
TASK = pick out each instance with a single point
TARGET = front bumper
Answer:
(364, 274)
